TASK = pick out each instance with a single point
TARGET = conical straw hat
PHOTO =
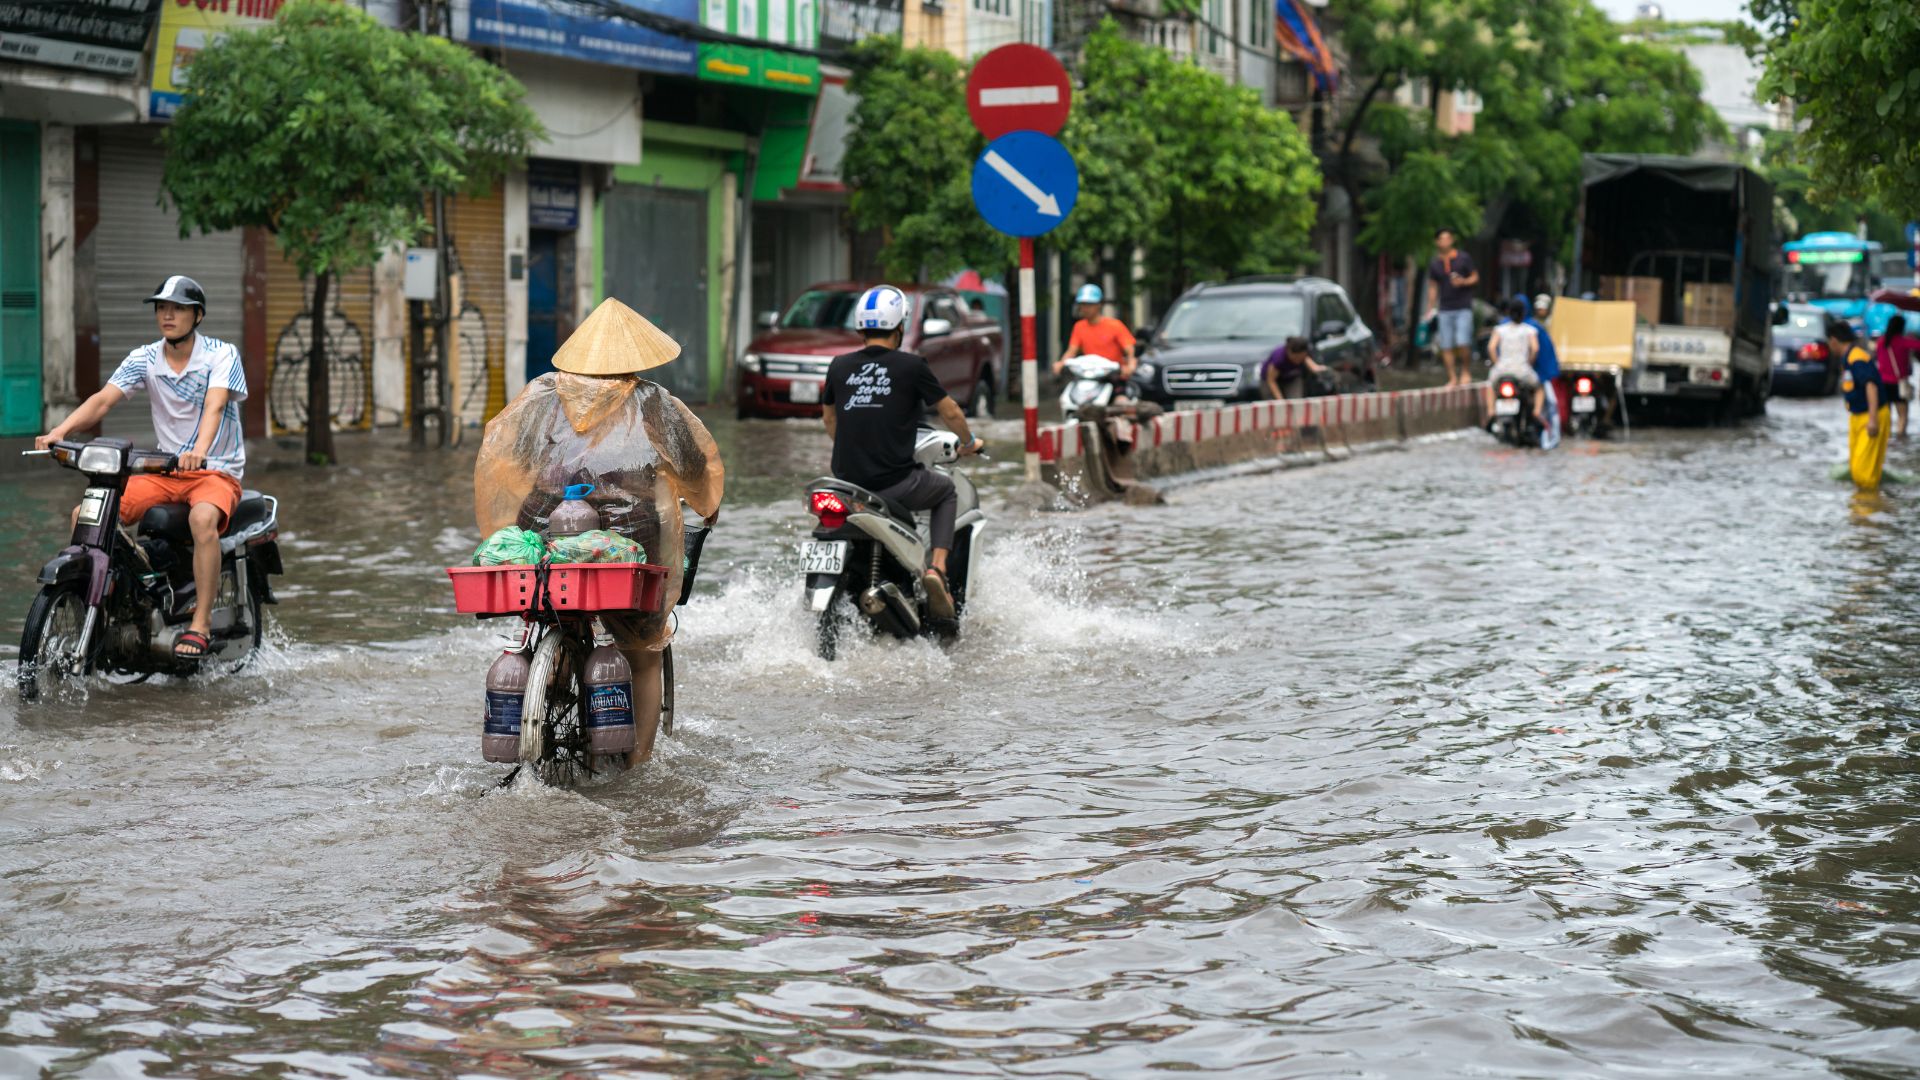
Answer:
(615, 340)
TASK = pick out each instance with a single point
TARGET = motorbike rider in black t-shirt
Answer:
(873, 400)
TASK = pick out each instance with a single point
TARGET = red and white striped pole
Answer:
(1029, 361)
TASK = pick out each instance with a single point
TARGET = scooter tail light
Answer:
(1583, 386)
(830, 508)
(1506, 389)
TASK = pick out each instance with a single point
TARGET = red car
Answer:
(784, 366)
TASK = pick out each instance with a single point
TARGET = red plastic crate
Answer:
(500, 590)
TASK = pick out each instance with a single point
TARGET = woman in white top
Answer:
(1512, 348)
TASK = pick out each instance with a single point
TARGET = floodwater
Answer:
(1450, 760)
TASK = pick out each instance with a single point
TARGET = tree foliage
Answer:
(330, 131)
(1852, 67)
(1172, 159)
(909, 162)
(1799, 214)
(1555, 80)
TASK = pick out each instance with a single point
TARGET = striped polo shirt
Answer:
(180, 400)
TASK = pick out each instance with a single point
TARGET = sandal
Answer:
(939, 599)
(191, 645)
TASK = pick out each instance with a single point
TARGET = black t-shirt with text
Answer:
(878, 395)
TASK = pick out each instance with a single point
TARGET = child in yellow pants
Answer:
(1869, 419)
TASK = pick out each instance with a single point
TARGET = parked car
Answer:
(1209, 348)
(783, 367)
(1800, 361)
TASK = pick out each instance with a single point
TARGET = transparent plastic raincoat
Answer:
(642, 449)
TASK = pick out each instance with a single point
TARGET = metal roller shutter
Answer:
(480, 361)
(137, 244)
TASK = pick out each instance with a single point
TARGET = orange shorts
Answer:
(199, 486)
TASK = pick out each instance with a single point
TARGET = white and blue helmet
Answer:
(882, 307)
(1089, 294)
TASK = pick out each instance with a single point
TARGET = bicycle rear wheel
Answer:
(553, 728)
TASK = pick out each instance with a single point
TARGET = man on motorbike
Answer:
(196, 384)
(1096, 334)
(873, 400)
(1512, 349)
(1546, 364)
(593, 420)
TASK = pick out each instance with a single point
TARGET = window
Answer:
(1328, 307)
(1260, 18)
(1236, 317)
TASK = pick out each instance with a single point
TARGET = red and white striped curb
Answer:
(1063, 440)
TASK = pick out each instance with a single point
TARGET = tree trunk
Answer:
(319, 387)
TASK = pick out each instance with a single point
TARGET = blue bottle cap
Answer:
(577, 491)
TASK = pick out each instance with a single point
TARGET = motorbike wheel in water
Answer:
(555, 712)
(832, 626)
(47, 641)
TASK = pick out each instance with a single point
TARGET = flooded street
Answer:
(1443, 760)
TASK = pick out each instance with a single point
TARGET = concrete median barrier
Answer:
(1104, 458)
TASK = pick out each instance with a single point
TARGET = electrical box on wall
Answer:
(421, 280)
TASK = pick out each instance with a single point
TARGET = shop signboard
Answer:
(102, 36)
(188, 26)
(580, 31)
(553, 195)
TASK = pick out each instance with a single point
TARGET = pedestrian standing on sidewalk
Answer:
(1868, 421)
(1454, 277)
(1285, 372)
(1893, 359)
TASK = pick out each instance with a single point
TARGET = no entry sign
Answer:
(1018, 88)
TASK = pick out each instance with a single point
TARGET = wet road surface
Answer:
(1450, 760)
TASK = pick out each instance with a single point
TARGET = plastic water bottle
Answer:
(574, 515)
(609, 701)
(506, 701)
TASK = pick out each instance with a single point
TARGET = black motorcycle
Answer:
(113, 603)
(1513, 420)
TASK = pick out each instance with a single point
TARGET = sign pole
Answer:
(1029, 361)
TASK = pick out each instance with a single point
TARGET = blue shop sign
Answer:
(574, 32)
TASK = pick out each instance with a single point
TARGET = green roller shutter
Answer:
(19, 279)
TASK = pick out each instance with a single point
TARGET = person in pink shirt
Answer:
(1893, 356)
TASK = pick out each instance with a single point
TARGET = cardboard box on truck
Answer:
(1707, 305)
(1642, 292)
(1590, 334)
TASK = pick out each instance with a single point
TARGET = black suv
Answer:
(1215, 337)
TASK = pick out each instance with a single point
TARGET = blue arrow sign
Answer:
(1025, 183)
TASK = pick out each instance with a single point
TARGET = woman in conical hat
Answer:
(594, 420)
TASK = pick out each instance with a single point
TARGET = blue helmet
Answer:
(1089, 294)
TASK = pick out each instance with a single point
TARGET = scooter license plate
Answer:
(1507, 406)
(1583, 404)
(823, 556)
(804, 392)
(93, 506)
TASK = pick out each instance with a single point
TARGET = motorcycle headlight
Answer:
(100, 459)
(1145, 369)
(750, 361)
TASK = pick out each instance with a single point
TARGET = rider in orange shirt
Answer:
(1096, 334)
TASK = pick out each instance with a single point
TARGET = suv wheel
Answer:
(980, 405)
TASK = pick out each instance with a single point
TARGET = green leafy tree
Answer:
(1852, 67)
(1793, 191)
(1189, 167)
(330, 131)
(909, 162)
(1172, 159)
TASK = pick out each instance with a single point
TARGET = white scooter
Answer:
(868, 553)
(1092, 384)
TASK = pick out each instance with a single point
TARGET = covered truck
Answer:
(1689, 244)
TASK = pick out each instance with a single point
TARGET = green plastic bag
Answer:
(511, 546)
(595, 546)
